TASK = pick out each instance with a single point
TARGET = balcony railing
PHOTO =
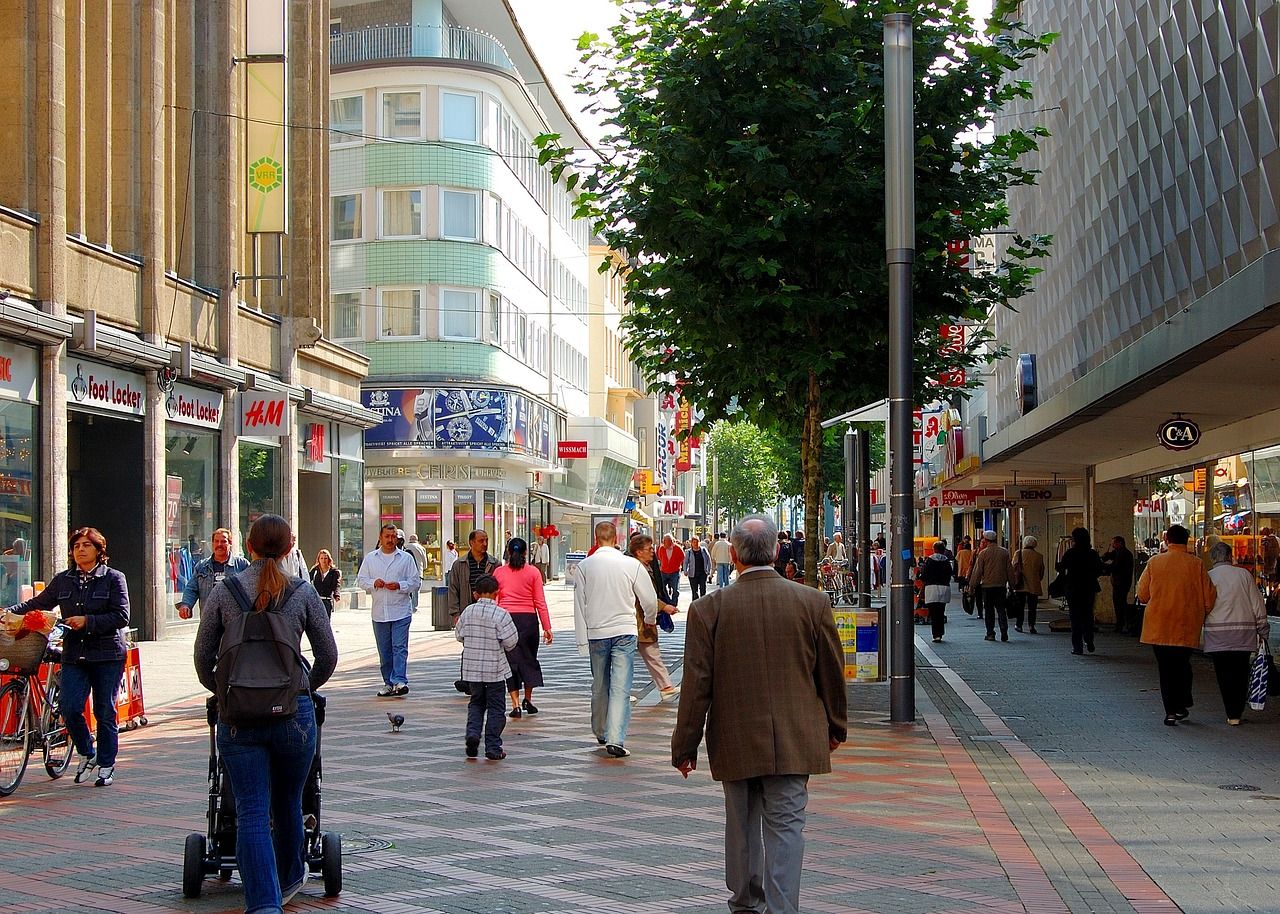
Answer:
(409, 42)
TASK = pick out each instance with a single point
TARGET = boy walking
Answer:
(487, 633)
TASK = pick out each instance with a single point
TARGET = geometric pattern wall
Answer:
(1160, 181)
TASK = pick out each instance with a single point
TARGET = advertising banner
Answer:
(458, 419)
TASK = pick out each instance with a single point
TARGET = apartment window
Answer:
(346, 218)
(401, 213)
(458, 314)
(346, 120)
(459, 117)
(459, 215)
(495, 319)
(402, 115)
(522, 337)
(399, 313)
(346, 316)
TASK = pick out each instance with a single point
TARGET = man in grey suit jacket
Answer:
(768, 637)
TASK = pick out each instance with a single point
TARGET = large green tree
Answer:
(746, 473)
(744, 178)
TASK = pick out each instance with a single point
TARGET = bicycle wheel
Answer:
(15, 735)
(57, 741)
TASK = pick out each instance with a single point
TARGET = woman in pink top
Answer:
(520, 593)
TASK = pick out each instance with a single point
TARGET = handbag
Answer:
(1016, 579)
(1259, 679)
(1058, 586)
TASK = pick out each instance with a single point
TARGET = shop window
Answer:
(259, 485)
(350, 518)
(490, 516)
(346, 120)
(18, 528)
(459, 117)
(191, 506)
(464, 516)
(390, 508)
(401, 213)
(427, 522)
(401, 115)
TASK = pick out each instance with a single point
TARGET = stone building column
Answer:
(1109, 512)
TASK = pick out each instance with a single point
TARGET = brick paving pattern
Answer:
(950, 816)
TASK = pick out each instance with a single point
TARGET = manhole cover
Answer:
(1237, 787)
(353, 844)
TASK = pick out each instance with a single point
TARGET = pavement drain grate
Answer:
(355, 844)
(1237, 787)
(982, 692)
(1013, 717)
(1265, 796)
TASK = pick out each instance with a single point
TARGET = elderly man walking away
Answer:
(721, 558)
(1178, 594)
(763, 636)
(610, 586)
(989, 578)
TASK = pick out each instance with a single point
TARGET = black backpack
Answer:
(260, 671)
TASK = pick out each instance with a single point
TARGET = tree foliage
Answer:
(744, 179)
(786, 460)
(747, 482)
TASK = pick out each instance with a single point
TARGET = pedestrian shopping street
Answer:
(1033, 781)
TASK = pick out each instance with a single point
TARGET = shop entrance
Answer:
(315, 515)
(104, 487)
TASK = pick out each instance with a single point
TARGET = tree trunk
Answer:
(811, 477)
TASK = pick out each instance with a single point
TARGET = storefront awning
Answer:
(640, 517)
(573, 507)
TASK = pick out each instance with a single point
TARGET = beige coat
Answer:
(764, 674)
(992, 568)
(1032, 564)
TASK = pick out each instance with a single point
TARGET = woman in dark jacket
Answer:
(935, 574)
(94, 603)
(1081, 566)
(327, 580)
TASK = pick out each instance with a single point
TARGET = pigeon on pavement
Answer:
(397, 721)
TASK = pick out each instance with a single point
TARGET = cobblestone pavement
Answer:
(949, 816)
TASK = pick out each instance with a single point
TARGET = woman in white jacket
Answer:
(1233, 629)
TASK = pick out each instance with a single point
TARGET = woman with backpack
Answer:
(267, 756)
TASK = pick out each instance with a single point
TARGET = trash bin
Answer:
(440, 620)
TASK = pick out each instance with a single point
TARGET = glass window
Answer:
(491, 514)
(346, 316)
(346, 218)
(401, 213)
(346, 120)
(458, 314)
(427, 511)
(191, 507)
(458, 117)
(402, 115)
(459, 215)
(464, 515)
(401, 312)
(18, 528)
(495, 319)
(350, 519)
(259, 484)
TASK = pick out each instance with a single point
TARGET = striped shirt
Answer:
(487, 633)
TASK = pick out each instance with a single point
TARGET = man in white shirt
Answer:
(609, 587)
(391, 576)
(295, 565)
(542, 558)
(721, 558)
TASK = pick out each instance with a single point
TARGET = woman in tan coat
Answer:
(1029, 583)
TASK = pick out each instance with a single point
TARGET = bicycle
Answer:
(30, 716)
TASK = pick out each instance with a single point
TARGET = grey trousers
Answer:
(764, 842)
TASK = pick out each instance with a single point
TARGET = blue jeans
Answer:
(612, 666)
(393, 650)
(672, 583)
(102, 679)
(268, 767)
(722, 574)
(487, 699)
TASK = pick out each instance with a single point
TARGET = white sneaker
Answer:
(87, 764)
(671, 692)
(105, 776)
(287, 896)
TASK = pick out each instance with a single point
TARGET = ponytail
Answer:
(269, 538)
(271, 584)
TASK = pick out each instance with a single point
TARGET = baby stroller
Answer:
(215, 853)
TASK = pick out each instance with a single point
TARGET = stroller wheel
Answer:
(224, 875)
(331, 850)
(193, 865)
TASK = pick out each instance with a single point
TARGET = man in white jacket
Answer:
(608, 589)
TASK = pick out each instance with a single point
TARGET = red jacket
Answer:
(670, 561)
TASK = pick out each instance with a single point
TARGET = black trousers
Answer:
(1080, 611)
(1120, 600)
(937, 612)
(698, 586)
(1232, 669)
(993, 608)
(1174, 664)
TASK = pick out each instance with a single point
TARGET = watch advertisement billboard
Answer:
(458, 419)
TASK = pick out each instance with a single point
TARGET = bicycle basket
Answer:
(24, 651)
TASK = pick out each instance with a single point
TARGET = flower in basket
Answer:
(39, 621)
(10, 623)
